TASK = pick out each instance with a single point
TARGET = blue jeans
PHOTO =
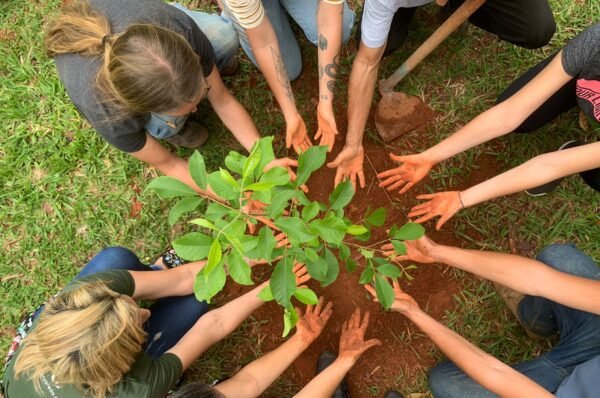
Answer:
(225, 43)
(304, 12)
(579, 334)
(170, 318)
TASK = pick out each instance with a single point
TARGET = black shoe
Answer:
(551, 186)
(192, 135)
(325, 360)
(393, 394)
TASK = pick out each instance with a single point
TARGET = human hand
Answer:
(412, 170)
(311, 324)
(327, 129)
(443, 204)
(403, 303)
(352, 340)
(349, 164)
(301, 273)
(288, 164)
(441, 3)
(296, 136)
(416, 250)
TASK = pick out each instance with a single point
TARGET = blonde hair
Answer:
(144, 69)
(88, 337)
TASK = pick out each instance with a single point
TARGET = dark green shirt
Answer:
(148, 378)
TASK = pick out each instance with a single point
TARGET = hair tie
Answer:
(104, 39)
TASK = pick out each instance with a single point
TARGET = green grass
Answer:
(65, 194)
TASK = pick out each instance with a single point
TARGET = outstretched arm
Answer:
(495, 122)
(522, 274)
(259, 374)
(329, 24)
(486, 370)
(535, 172)
(217, 324)
(363, 76)
(268, 55)
(231, 112)
(352, 346)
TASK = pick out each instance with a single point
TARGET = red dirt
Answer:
(398, 114)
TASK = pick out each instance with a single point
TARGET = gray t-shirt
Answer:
(377, 19)
(78, 73)
(581, 59)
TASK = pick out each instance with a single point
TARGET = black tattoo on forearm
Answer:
(331, 71)
(282, 76)
(322, 42)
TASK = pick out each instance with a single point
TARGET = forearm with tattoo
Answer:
(282, 76)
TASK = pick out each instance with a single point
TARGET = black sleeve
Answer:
(201, 46)
(581, 50)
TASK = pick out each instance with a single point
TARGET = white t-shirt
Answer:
(377, 19)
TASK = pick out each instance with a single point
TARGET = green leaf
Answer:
(266, 243)
(309, 212)
(309, 161)
(279, 202)
(331, 229)
(276, 176)
(198, 170)
(410, 231)
(317, 268)
(377, 218)
(344, 252)
(184, 205)
(310, 254)
(290, 318)
(252, 162)
(208, 284)
(385, 292)
(259, 186)
(306, 296)
(367, 275)
(357, 229)
(193, 246)
(367, 253)
(295, 229)
(248, 242)
(169, 187)
(283, 281)
(215, 211)
(220, 187)
(399, 247)
(203, 222)
(266, 294)
(333, 268)
(235, 162)
(267, 155)
(228, 178)
(389, 270)
(351, 265)
(341, 195)
(239, 270)
(214, 256)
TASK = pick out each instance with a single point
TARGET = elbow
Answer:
(213, 324)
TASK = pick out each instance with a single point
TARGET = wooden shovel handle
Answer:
(450, 25)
